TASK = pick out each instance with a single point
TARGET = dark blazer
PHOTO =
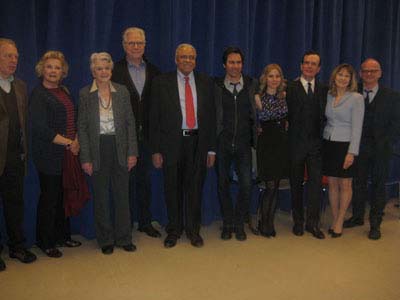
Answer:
(89, 126)
(386, 126)
(295, 98)
(22, 106)
(252, 85)
(166, 117)
(48, 117)
(121, 75)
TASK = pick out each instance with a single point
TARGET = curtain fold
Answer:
(267, 30)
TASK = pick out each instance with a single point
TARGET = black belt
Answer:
(190, 132)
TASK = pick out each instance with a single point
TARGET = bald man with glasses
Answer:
(381, 128)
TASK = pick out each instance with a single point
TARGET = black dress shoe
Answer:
(70, 243)
(52, 252)
(298, 230)
(226, 233)
(240, 234)
(316, 232)
(171, 240)
(268, 233)
(23, 255)
(196, 240)
(107, 250)
(129, 248)
(374, 234)
(353, 222)
(150, 231)
(330, 231)
(2, 265)
(335, 234)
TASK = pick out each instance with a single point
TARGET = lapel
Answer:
(174, 90)
(128, 77)
(302, 96)
(199, 91)
(21, 105)
(117, 109)
(94, 111)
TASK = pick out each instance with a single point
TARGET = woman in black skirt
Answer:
(272, 144)
(342, 133)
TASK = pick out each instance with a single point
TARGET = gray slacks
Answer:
(111, 179)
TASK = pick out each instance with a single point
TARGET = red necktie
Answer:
(190, 118)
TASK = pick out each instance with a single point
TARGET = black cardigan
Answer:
(48, 118)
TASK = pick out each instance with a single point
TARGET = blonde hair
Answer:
(4, 41)
(101, 56)
(280, 91)
(52, 54)
(352, 87)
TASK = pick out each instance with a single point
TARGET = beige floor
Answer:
(287, 267)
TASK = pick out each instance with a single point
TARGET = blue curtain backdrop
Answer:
(268, 31)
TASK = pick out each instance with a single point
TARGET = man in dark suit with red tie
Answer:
(182, 139)
(136, 73)
(306, 99)
(381, 129)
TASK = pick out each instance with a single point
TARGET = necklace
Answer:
(105, 106)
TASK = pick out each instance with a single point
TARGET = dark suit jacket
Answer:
(166, 117)
(22, 106)
(295, 98)
(386, 126)
(121, 75)
(89, 126)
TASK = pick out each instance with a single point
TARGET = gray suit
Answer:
(89, 126)
(109, 155)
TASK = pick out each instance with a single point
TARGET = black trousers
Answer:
(183, 182)
(234, 213)
(12, 193)
(51, 225)
(312, 159)
(371, 164)
(140, 186)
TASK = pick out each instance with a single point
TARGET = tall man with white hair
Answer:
(136, 73)
(381, 128)
(13, 151)
(182, 139)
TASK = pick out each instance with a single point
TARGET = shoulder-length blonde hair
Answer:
(352, 87)
(263, 81)
(52, 54)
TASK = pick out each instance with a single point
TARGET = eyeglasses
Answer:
(187, 57)
(374, 71)
(137, 44)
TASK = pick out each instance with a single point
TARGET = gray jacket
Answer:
(345, 121)
(89, 125)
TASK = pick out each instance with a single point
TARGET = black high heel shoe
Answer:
(335, 235)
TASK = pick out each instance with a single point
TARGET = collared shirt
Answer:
(304, 82)
(229, 85)
(106, 113)
(372, 94)
(181, 88)
(138, 75)
(5, 84)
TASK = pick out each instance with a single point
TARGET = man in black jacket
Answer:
(136, 73)
(381, 128)
(13, 151)
(306, 99)
(236, 134)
